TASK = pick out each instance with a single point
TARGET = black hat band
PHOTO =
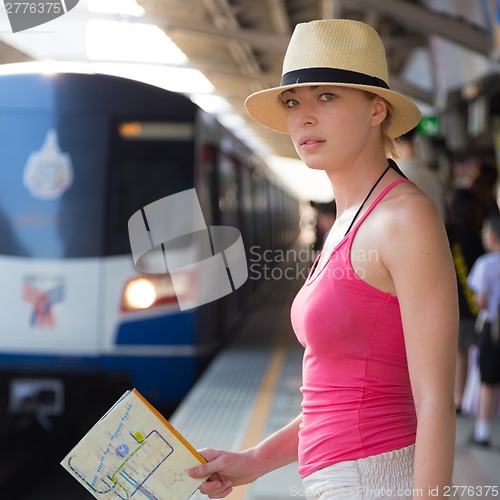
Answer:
(330, 75)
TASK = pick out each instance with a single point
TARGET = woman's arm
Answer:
(227, 469)
(418, 258)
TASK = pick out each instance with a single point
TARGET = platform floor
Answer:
(252, 389)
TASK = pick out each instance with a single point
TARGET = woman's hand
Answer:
(224, 470)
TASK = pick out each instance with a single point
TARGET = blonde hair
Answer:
(389, 146)
(387, 142)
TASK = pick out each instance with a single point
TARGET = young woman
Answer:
(378, 313)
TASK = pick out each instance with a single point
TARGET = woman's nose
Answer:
(306, 115)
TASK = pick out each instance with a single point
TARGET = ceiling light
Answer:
(124, 41)
(123, 7)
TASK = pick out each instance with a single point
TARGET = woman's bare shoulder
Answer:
(407, 208)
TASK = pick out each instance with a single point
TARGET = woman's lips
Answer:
(309, 143)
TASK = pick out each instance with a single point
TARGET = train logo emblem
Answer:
(42, 302)
(26, 15)
(48, 172)
(170, 236)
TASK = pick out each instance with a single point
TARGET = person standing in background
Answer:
(418, 172)
(466, 247)
(483, 184)
(484, 280)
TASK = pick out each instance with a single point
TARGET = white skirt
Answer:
(379, 477)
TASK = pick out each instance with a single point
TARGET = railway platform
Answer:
(251, 389)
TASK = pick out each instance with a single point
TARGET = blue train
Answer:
(79, 155)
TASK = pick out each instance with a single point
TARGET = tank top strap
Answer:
(375, 203)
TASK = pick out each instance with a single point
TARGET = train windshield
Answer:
(150, 160)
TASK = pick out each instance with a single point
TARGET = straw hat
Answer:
(338, 52)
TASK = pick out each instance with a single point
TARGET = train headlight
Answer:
(139, 294)
(154, 291)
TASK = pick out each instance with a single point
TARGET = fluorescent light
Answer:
(231, 120)
(211, 103)
(123, 7)
(46, 67)
(177, 80)
(183, 80)
(124, 41)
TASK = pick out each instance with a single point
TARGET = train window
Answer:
(51, 184)
(247, 209)
(149, 160)
(228, 190)
(261, 215)
(155, 131)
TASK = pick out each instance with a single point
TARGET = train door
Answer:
(154, 342)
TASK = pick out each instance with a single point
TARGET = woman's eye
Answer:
(327, 96)
(290, 103)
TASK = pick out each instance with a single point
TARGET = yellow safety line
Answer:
(263, 404)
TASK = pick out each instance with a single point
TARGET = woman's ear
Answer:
(379, 110)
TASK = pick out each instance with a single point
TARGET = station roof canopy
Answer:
(239, 44)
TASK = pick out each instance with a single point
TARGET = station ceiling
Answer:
(239, 44)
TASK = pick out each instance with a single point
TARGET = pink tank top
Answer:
(357, 399)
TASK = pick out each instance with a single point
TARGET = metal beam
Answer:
(279, 16)
(331, 9)
(258, 39)
(411, 90)
(278, 43)
(271, 42)
(418, 18)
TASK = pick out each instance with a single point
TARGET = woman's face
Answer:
(330, 125)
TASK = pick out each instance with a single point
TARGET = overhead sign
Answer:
(429, 126)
